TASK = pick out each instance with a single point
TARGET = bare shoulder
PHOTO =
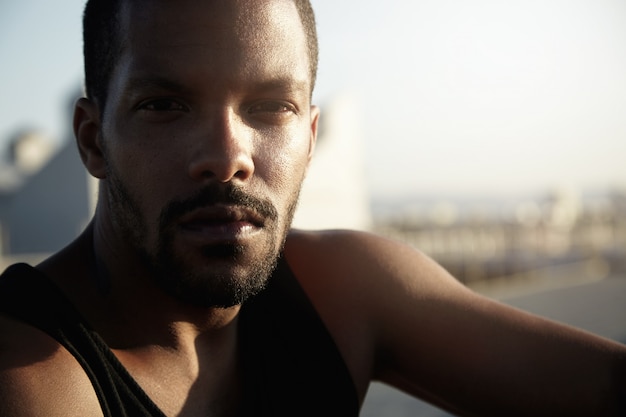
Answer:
(339, 257)
(39, 377)
(370, 278)
(339, 247)
(368, 290)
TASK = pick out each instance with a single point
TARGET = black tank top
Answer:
(292, 366)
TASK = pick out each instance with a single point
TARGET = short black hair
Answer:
(102, 43)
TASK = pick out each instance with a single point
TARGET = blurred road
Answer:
(599, 307)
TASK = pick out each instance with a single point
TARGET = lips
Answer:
(221, 222)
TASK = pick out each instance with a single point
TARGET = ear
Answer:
(86, 125)
(315, 115)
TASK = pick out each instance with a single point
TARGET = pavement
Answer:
(596, 305)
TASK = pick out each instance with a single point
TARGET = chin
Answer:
(219, 276)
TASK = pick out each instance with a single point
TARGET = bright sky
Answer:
(480, 96)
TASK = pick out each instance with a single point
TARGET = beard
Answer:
(225, 274)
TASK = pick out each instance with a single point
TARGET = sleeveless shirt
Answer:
(290, 362)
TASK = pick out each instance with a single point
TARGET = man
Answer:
(189, 295)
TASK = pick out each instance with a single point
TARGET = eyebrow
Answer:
(285, 84)
(156, 82)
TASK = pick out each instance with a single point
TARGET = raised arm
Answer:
(437, 340)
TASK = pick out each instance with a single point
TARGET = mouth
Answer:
(221, 223)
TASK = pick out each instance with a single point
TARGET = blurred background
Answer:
(489, 134)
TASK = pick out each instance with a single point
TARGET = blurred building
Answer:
(47, 197)
(47, 201)
(335, 194)
(562, 233)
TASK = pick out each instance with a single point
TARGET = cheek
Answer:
(144, 176)
(282, 166)
(147, 155)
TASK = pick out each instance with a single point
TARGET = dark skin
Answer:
(215, 109)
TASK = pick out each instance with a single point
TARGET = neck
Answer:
(121, 301)
(154, 336)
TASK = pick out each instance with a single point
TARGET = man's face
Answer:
(207, 133)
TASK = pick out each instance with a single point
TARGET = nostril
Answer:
(242, 174)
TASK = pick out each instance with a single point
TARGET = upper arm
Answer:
(435, 338)
(38, 377)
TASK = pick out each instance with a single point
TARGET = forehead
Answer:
(220, 38)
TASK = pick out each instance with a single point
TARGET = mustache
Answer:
(215, 194)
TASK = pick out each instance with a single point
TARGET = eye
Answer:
(163, 105)
(272, 112)
(271, 107)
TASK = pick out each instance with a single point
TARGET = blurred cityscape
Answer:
(560, 235)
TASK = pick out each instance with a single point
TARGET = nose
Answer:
(223, 150)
